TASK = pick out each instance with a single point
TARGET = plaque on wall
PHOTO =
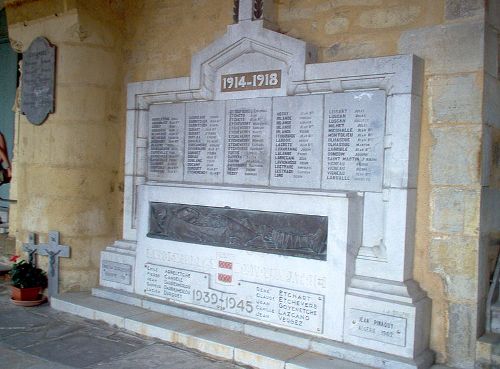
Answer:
(378, 327)
(297, 141)
(277, 233)
(37, 91)
(204, 151)
(353, 141)
(248, 137)
(116, 272)
(166, 142)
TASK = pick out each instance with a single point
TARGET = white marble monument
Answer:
(278, 191)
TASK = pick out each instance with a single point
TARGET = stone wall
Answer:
(69, 170)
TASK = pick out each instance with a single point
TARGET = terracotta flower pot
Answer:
(25, 294)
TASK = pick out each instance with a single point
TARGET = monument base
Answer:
(244, 342)
(387, 316)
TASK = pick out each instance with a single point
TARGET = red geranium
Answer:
(14, 258)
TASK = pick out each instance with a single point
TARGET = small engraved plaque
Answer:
(116, 272)
(261, 80)
(38, 76)
(378, 327)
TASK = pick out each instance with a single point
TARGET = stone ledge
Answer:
(229, 344)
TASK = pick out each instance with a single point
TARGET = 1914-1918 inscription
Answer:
(38, 81)
(260, 80)
(278, 233)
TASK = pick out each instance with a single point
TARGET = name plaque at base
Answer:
(281, 306)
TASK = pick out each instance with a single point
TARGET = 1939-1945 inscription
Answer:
(38, 81)
(277, 233)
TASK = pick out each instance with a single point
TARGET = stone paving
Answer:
(43, 338)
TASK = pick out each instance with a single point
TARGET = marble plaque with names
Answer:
(248, 141)
(280, 306)
(116, 272)
(375, 326)
(204, 151)
(296, 309)
(353, 141)
(297, 141)
(166, 142)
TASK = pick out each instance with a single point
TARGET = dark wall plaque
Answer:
(278, 233)
(38, 81)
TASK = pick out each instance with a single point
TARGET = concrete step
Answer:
(215, 341)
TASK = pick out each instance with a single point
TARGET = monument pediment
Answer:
(263, 50)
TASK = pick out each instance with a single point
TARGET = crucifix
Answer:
(31, 248)
(54, 251)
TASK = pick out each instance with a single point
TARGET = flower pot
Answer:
(25, 294)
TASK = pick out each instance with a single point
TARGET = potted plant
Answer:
(27, 280)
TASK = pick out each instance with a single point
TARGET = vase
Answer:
(25, 294)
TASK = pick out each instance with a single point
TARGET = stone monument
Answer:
(275, 190)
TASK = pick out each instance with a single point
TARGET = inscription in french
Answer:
(116, 272)
(378, 327)
(281, 306)
(38, 81)
(278, 233)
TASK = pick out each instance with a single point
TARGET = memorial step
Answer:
(228, 344)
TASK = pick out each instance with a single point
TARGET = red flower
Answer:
(14, 258)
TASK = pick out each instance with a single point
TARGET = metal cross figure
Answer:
(31, 248)
(54, 251)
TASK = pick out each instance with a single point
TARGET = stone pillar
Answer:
(68, 169)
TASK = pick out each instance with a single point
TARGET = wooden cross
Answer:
(54, 251)
(31, 248)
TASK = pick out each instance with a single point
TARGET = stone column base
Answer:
(117, 266)
(387, 316)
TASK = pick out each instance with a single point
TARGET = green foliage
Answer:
(25, 275)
